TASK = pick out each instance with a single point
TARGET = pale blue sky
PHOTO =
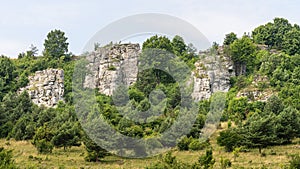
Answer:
(28, 22)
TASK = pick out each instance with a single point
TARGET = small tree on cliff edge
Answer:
(56, 44)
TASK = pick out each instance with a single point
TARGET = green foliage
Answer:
(169, 161)
(42, 139)
(184, 143)
(225, 163)
(273, 105)
(197, 144)
(294, 162)
(288, 125)
(279, 34)
(230, 38)
(178, 45)
(207, 161)
(69, 134)
(263, 129)
(272, 34)
(43, 146)
(242, 52)
(56, 44)
(7, 76)
(238, 109)
(158, 42)
(230, 139)
(6, 159)
(94, 152)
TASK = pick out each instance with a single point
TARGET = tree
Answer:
(242, 52)
(68, 135)
(7, 76)
(260, 131)
(230, 139)
(291, 42)
(238, 108)
(158, 42)
(296, 76)
(56, 44)
(288, 125)
(95, 152)
(179, 47)
(230, 38)
(33, 51)
(272, 34)
(273, 105)
(42, 139)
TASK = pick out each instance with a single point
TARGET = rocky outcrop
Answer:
(46, 87)
(258, 90)
(212, 74)
(111, 65)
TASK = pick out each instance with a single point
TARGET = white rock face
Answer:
(212, 74)
(111, 65)
(46, 87)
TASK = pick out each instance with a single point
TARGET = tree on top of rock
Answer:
(56, 44)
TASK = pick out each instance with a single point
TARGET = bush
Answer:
(197, 144)
(294, 162)
(207, 160)
(184, 143)
(230, 139)
(44, 146)
(170, 162)
(6, 160)
(225, 163)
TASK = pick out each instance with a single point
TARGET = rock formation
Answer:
(108, 63)
(46, 87)
(212, 74)
(111, 65)
(257, 90)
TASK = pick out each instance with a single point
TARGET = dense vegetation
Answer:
(271, 51)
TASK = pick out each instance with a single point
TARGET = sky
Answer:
(23, 23)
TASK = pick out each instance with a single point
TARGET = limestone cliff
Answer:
(212, 74)
(46, 87)
(106, 64)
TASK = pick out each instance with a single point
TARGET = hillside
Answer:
(124, 101)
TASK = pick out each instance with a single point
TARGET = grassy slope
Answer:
(74, 157)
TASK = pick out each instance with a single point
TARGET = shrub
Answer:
(197, 144)
(6, 160)
(44, 146)
(184, 143)
(225, 163)
(294, 162)
(207, 160)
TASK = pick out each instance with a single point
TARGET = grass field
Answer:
(26, 156)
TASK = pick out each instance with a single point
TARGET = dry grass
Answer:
(26, 156)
